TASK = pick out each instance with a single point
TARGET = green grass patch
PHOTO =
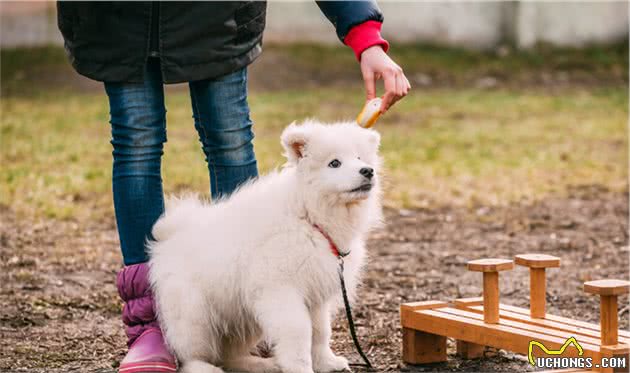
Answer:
(34, 71)
(446, 146)
(458, 66)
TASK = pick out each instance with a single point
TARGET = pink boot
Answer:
(147, 350)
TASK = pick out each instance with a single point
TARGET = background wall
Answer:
(475, 25)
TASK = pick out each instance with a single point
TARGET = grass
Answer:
(26, 72)
(456, 61)
(459, 146)
(449, 66)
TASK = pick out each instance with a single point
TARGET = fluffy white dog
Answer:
(256, 266)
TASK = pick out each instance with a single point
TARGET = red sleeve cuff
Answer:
(365, 35)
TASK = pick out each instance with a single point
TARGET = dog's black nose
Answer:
(368, 172)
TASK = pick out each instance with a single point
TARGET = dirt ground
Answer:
(59, 310)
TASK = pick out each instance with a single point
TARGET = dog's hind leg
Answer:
(198, 366)
(189, 327)
(286, 322)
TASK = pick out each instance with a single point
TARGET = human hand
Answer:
(376, 64)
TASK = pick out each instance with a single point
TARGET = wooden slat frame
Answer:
(436, 321)
(523, 326)
(464, 322)
(550, 321)
(565, 320)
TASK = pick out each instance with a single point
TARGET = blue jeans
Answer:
(138, 122)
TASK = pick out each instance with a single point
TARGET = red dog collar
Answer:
(333, 247)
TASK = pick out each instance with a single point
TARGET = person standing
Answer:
(135, 48)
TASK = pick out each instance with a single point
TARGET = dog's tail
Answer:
(179, 213)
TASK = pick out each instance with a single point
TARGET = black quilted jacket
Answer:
(111, 41)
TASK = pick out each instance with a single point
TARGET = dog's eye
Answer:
(334, 163)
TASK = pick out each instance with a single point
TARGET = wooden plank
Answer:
(471, 303)
(537, 260)
(498, 336)
(565, 320)
(523, 326)
(546, 322)
(607, 287)
(427, 304)
(465, 302)
(407, 309)
(423, 348)
(490, 265)
(476, 301)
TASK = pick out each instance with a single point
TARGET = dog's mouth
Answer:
(362, 188)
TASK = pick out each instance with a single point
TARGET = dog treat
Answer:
(370, 113)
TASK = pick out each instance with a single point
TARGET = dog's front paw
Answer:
(331, 363)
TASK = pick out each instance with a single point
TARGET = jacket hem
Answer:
(179, 73)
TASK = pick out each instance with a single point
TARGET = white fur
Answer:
(228, 274)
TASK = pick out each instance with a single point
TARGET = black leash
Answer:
(353, 332)
(346, 302)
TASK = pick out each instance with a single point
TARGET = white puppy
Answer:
(255, 265)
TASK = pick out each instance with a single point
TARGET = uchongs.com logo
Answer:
(555, 360)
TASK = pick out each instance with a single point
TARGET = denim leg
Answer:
(222, 120)
(138, 121)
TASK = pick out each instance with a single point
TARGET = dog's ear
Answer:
(294, 141)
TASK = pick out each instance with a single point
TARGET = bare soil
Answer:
(59, 310)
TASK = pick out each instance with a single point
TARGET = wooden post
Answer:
(491, 297)
(537, 264)
(537, 293)
(619, 351)
(490, 269)
(420, 347)
(469, 350)
(608, 290)
(608, 319)
(423, 348)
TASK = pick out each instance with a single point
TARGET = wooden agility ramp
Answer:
(478, 322)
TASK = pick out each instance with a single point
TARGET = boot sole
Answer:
(147, 368)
